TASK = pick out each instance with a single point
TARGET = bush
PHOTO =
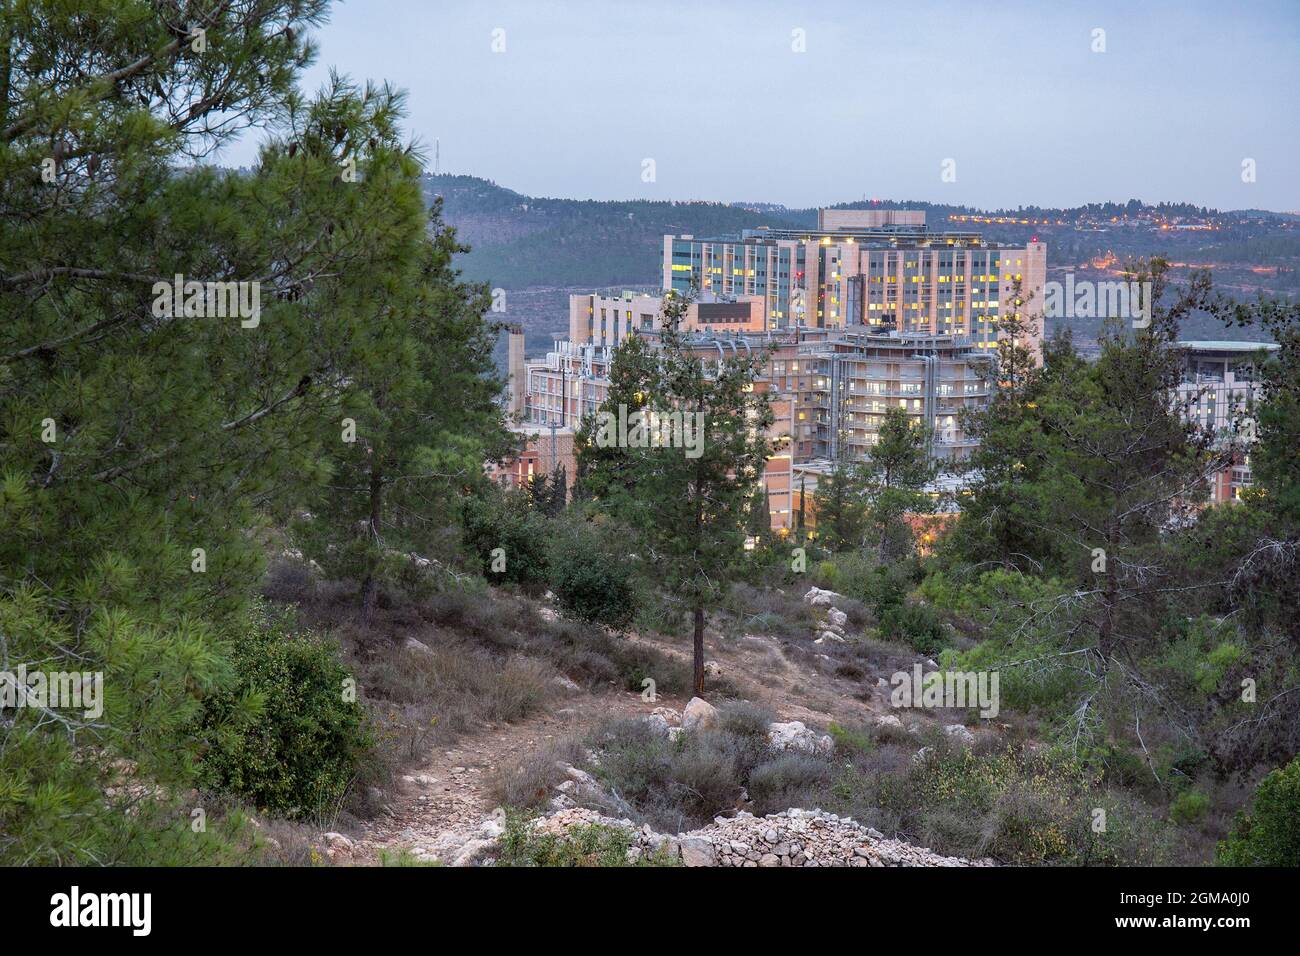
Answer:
(591, 845)
(290, 741)
(745, 720)
(918, 626)
(1024, 807)
(850, 574)
(593, 579)
(678, 785)
(527, 783)
(1269, 835)
(790, 780)
(503, 520)
(1188, 807)
(848, 740)
(885, 586)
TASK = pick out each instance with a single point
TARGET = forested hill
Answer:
(520, 241)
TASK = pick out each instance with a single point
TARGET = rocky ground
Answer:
(790, 838)
(443, 811)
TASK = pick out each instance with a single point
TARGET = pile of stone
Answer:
(814, 838)
(808, 838)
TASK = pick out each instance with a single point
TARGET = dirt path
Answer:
(443, 803)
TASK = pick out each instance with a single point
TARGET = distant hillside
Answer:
(541, 250)
(524, 241)
(521, 241)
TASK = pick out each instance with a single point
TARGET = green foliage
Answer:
(852, 573)
(689, 506)
(1026, 807)
(590, 572)
(419, 416)
(1268, 835)
(826, 574)
(589, 845)
(1198, 660)
(841, 507)
(141, 453)
(885, 586)
(284, 736)
(1190, 806)
(849, 739)
(1033, 677)
(1015, 804)
(987, 597)
(502, 519)
(548, 493)
(919, 626)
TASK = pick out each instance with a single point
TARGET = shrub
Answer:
(1190, 806)
(591, 845)
(848, 740)
(291, 740)
(504, 520)
(769, 610)
(852, 574)
(528, 782)
(1269, 835)
(826, 575)
(885, 586)
(790, 780)
(918, 626)
(745, 720)
(678, 785)
(1047, 687)
(593, 579)
(1023, 807)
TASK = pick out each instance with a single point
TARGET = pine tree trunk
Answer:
(370, 586)
(699, 652)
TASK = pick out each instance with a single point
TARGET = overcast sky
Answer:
(716, 94)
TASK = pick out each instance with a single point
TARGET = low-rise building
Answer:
(1219, 389)
(606, 320)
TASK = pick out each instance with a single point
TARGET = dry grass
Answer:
(528, 782)
(488, 657)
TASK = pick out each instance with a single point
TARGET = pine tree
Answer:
(841, 507)
(417, 418)
(760, 515)
(895, 476)
(689, 504)
(141, 448)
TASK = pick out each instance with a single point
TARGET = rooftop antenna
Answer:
(437, 157)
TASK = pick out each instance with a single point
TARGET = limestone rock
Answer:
(412, 646)
(670, 716)
(793, 735)
(698, 714)
(697, 851)
(959, 734)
